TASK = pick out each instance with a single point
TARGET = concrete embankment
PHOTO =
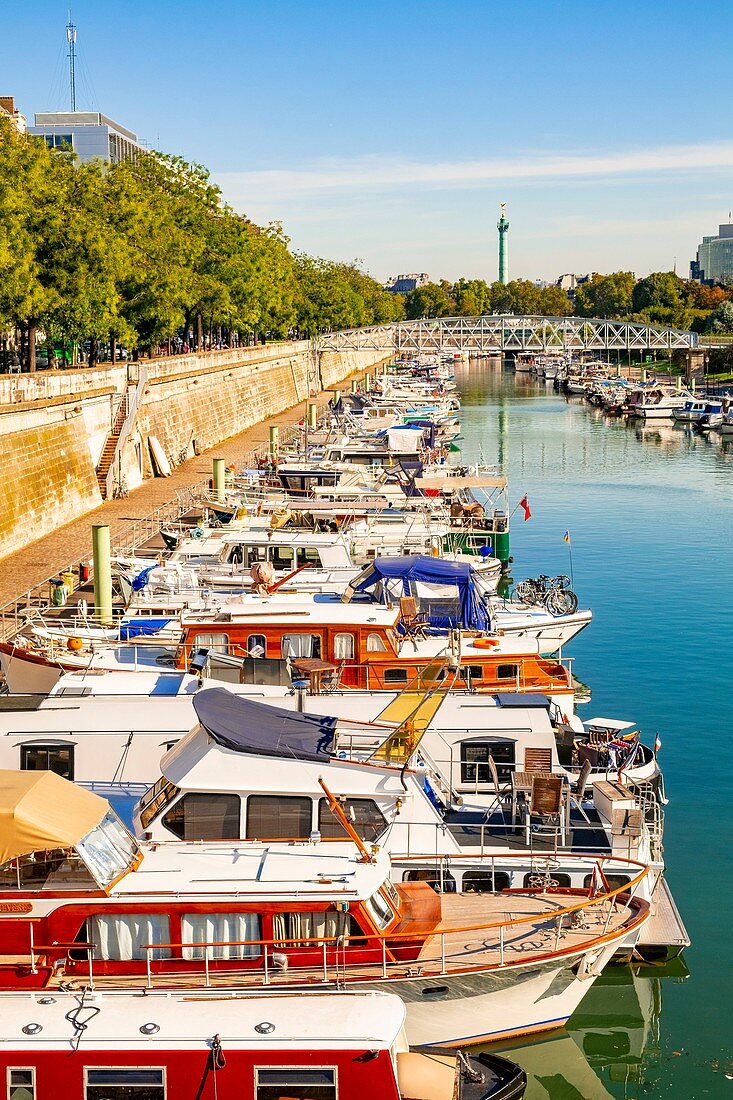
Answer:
(61, 430)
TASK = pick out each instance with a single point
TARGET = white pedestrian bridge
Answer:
(501, 333)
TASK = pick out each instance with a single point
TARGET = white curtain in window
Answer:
(297, 645)
(343, 647)
(121, 938)
(375, 644)
(227, 929)
(296, 928)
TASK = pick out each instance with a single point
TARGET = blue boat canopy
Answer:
(448, 591)
(141, 628)
(246, 726)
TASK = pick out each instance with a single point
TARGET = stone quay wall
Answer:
(54, 424)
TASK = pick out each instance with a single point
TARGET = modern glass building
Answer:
(714, 263)
(90, 135)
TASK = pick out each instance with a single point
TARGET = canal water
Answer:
(650, 515)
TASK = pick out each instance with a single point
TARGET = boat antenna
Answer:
(71, 39)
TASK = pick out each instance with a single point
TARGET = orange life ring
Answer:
(485, 643)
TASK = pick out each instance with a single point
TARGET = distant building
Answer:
(9, 110)
(570, 282)
(91, 136)
(403, 284)
(714, 262)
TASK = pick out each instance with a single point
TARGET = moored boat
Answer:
(86, 904)
(185, 1045)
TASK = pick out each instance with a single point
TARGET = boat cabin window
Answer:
(432, 876)
(375, 644)
(123, 937)
(257, 645)
(205, 816)
(59, 869)
(380, 910)
(484, 882)
(395, 675)
(614, 881)
(364, 814)
(48, 758)
(307, 555)
(154, 801)
(343, 647)
(298, 928)
(232, 933)
(236, 555)
(108, 850)
(281, 557)
(507, 672)
(215, 643)
(475, 760)
(21, 1084)
(301, 645)
(469, 673)
(296, 1084)
(122, 1083)
(273, 818)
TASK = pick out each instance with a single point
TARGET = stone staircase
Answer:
(110, 447)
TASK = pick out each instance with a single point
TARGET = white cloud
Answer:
(374, 173)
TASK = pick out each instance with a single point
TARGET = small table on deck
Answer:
(314, 669)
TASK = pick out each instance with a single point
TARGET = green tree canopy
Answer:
(606, 295)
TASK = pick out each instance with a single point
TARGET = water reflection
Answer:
(611, 1047)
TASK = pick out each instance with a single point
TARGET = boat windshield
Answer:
(109, 850)
(378, 907)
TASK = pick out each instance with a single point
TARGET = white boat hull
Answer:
(489, 1006)
(551, 632)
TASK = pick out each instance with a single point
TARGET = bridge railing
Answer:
(508, 333)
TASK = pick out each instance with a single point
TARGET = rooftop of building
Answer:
(46, 119)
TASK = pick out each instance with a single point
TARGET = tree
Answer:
(472, 297)
(554, 302)
(431, 300)
(722, 319)
(606, 296)
(660, 290)
(703, 297)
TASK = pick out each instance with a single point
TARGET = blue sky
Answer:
(390, 132)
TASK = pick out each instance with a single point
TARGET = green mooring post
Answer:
(336, 397)
(354, 385)
(219, 480)
(274, 443)
(102, 573)
(367, 382)
(312, 415)
(693, 383)
(679, 382)
(643, 374)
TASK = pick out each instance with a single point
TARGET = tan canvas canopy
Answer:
(40, 811)
(468, 482)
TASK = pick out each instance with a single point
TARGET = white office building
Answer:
(92, 136)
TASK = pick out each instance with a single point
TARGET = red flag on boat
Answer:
(598, 882)
(524, 503)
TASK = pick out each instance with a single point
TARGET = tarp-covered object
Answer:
(138, 628)
(40, 811)
(414, 570)
(246, 726)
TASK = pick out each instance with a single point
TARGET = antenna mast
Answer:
(71, 39)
